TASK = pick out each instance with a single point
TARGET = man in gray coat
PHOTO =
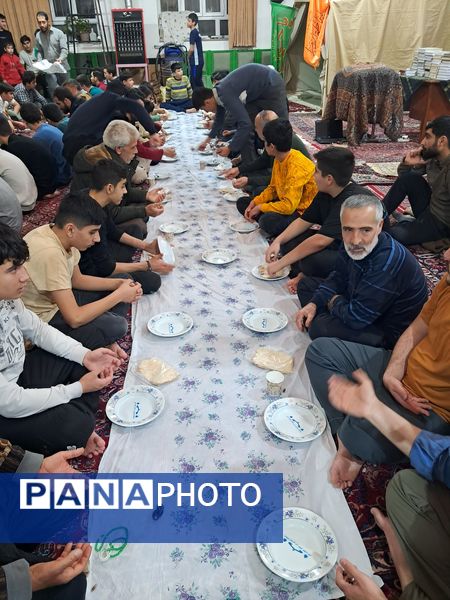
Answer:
(51, 44)
(243, 94)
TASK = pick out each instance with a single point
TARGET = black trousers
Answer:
(425, 227)
(320, 264)
(196, 76)
(54, 429)
(150, 282)
(271, 223)
(101, 331)
(325, 325)
(74, 590)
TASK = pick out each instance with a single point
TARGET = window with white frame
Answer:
(212, 14)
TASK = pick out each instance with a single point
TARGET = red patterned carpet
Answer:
(369, 488)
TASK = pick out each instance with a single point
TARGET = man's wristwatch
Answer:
(332, 301)
(149, 266)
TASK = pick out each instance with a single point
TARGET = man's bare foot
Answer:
(292, 283)
(345, 468)
(398, 557)
(94, 446)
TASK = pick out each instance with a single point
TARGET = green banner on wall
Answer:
(283, 18)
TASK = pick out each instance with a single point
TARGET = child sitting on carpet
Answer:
(178, 91)
(49, 394)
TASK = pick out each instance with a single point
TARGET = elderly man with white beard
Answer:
(376, 290)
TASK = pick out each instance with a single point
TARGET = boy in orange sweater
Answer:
(11, 69)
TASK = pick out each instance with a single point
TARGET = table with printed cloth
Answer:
(213, 417)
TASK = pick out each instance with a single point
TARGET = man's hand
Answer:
(230, 173)
(154, 210)
(355, 399)
(159, 266)
(273, 251)
(414, 157)
(248, 209)
(69, 565)
(100, 359)
(202, 145)
(223, 150)
(57, 463)
(254, 212)
(170, 152)
(156, 195)
(130, 291)
(355, 584)
(273, 267)
(415, 404)
(96, 380)
(240, 182)
(305, 316)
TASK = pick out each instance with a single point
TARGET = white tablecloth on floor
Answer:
(213, 419)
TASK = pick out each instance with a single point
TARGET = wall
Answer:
(263, 25)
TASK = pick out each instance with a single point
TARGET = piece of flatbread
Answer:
(273, 360)
(262, 270)
(156, 371)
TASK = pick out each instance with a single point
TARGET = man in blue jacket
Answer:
(376, 290)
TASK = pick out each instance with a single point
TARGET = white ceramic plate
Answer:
(166, 250)
(265, 320)
(309, 549)
(135, 406)
(160, 176)
(200, 126)
(257, 274)
(169, 159)
(173, 227)
(244, 226)
(206, 152)
(295, 420)
(230, 197)
(170, 324)
(219, 176)
(219, 256)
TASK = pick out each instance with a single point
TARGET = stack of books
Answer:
(430, 63)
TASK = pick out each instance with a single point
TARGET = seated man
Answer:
(23, 573)
(10, 209)
(292, 186)
(308, 251)
(36, 157)
(26, 91)
(417, 502)
(114, 252)
(430, 199)
(50, 137)
(91, 310)
(178, 91)
(55, 116)
(97, 79)
(126, 78)
(376, 290)
(87, 86)
(49, 394)
(254, 175)
(244, 93)
(119, 144)
(19, 178)
(67, 102)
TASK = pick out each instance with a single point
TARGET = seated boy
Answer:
(50, 137)
(11, 69)
(114, 252)
(10, 107)
(49, 394)
(55, 116)
(36, 157)
(308, 251)
(91, 310)
(292, 186)
(178, 91)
